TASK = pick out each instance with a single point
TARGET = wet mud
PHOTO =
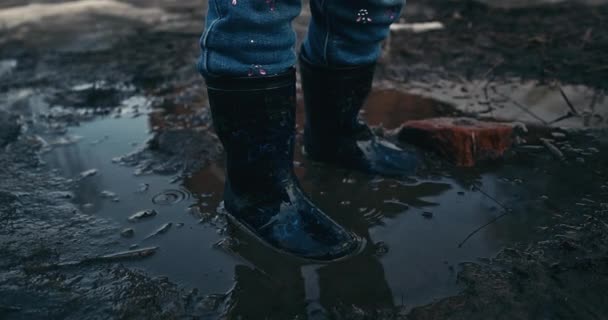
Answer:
(111, 181)
(10, 129)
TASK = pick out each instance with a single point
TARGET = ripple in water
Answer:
(169, 197)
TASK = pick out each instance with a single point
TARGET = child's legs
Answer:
(349, 32)
(248, 37)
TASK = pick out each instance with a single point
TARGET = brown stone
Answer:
(463, 141)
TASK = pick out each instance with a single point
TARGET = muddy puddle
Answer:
(418, 230)
(162, 167)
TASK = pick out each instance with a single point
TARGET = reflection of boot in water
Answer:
(333, 131)
(256, 295)
(356, 283)
(255, 119)
(273, 290)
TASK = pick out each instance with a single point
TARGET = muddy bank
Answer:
(562, 276)
(547, 42)
(41, 227)
(182, 141)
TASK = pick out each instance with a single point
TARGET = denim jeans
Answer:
(255, 37)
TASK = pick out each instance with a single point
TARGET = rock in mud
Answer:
(174, 151)
(142, 215)
(127, 233)
(143, 187)
(107, 194)
(9, 128)
(88, 173)
(463, 141)
(228, 244)
(380, 248)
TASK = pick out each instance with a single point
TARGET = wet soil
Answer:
(559, 41)
(97, 129)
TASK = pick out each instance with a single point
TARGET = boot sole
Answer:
(361, 244)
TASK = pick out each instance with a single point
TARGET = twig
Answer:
(568, 101)
(523, 108)
(553, 149)
(504, 207)
(114, 257)
(564, 117)
(494, 67)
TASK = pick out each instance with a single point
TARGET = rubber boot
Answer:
(254, 118)
(334, 132)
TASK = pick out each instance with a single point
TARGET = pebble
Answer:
(228, 244)
(88, 173)
(143, 187)
(127, 233)
(142, 215)
(108, 194)
(381, 248)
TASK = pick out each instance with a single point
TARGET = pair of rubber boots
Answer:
(254, 117)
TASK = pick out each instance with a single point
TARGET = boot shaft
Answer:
(334, 96)
(255, 121)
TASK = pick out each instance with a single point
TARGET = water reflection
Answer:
(412, 227)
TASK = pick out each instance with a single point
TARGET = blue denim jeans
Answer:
(255, 37)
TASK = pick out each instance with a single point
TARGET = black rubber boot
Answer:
(334, 132)
(254, 118)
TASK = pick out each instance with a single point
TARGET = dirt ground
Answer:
(103, 114)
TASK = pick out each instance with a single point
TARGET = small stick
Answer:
(553, 149)
(113, 257)
(567, 116)
(523, 108)
(504, 207)
(568, 101)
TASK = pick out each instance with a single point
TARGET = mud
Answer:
(40, 227)
(101, 122)
(546, 42)
(9, 128)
